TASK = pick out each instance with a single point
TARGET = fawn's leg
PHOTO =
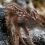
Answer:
(27, 34)
(14, 38)
(19, 33)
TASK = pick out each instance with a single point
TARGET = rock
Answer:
(38, 36)
(3, 36)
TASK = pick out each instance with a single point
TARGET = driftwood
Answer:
(16, 17)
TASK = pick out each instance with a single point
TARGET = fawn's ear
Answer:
(34, 14)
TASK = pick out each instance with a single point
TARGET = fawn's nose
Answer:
(27, 1)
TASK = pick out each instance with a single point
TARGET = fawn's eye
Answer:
(43, 23)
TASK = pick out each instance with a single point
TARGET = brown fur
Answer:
(40, 20)
(16, 17)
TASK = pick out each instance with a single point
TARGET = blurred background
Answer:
(38, 4)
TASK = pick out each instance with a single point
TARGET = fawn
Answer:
(16, 17)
